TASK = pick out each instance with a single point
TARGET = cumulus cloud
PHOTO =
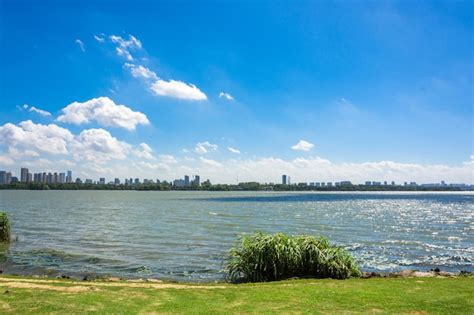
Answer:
(233, 150)
(28, 135)
(205, 147)
(37, 143)
(81, 44)
(227, 96)
(123, 46)
(303, 145)
(269, 169)
(141, 71)
(95, 153)
(171, 88)
(99, 145)
(105, 112)
(144, 151)
(178, 89)
(37, 110)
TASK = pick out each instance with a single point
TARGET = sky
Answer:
(239, 90)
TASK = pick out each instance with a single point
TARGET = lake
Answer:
(185, 235)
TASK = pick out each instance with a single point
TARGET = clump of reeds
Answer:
(267, 257)
(4, 227)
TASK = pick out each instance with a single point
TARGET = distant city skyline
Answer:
(8, 177)
(333, 91)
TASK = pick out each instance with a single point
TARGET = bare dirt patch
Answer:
(26, 285)
(87, 286)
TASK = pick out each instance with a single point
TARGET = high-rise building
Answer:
(178, 183)
(197, 180)
(62, 178)
(24, 175)
(3, 178)
(55, 178)
(9, 177)
(186, 180)
(117, 181)
(284, 179)
(29, 178)
(137, 181)
(102, 181)
(69, 177)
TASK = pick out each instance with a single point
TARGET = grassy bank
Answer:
(387, 295)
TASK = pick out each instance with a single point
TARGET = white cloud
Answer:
(123, 46)
(233, 150)
(209, 162)
(205, 147)
(100, 38)
(178, 89)
(158, 86)
(168, 159)
(95, 153)
(99, 145)
(81, 44)
(141, 71)
(269, 169)
(144, 151)
(37, 110)
(40, 111)
(13, 151)
(303, 145)
(6, 160)
(227, 96)
(172, 88)
(28, 135)
(105, 112)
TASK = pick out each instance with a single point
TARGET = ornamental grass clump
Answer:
(266, 257)
(4, 227)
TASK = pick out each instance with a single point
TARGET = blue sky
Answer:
(372, 88)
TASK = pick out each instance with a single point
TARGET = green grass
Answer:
(376, 295)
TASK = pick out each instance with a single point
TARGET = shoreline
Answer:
(407, 273)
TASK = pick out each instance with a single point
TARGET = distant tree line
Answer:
(207, 186)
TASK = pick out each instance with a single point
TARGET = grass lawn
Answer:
(375, 295)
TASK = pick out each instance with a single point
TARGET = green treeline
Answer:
(207, 186)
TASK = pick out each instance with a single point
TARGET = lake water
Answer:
(186, 235)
